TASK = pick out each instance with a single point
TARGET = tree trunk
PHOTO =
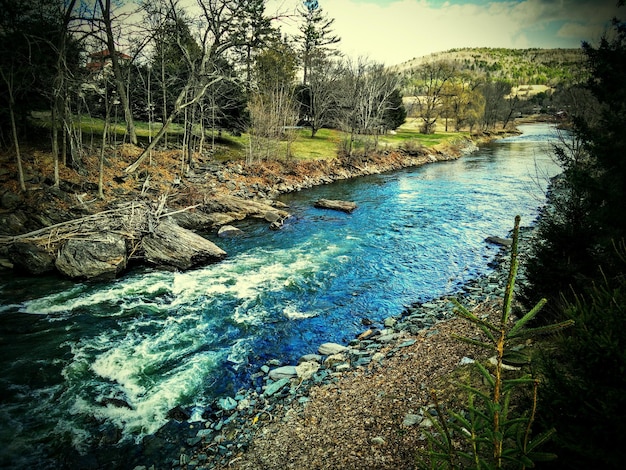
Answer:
(117, 70)
(20, 170)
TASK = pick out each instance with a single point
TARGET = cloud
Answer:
(392, 31)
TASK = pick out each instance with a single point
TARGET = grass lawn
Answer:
(324, 145)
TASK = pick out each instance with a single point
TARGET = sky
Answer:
(394, 31)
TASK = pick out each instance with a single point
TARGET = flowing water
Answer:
(153, 340)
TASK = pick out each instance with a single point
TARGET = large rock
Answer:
(31, 257)
(239, 208)
(174, 247)
(284, 372)
(99, 257)
(499, 241)
(344, 206)
(228, 231)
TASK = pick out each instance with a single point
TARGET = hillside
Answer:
(520, 66)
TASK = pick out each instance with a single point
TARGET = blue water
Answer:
(159, 339)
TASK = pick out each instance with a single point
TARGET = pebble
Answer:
(379, 441)
(412, 419)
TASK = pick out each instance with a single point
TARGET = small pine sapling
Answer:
(491, 433)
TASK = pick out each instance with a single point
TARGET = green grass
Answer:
(324, 145)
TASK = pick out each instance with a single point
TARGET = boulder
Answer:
(228, 231)
(171, 246)
(30, 257)
(100, 257)
(499, 241)
(344, 206)
(284, 372)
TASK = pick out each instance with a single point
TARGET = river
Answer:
(154, 340)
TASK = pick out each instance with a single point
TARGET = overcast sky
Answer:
(393, 31)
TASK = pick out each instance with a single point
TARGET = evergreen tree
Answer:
(395, 113)
(317, 36)
(581, 260)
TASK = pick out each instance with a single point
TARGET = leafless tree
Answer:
(427, 85)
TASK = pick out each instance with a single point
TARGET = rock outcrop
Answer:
(99, 257)
(174, 247)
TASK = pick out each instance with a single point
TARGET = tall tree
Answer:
(316, 35)
(494, 94)
(107, 20)
(27, 39)
(272, 103)
(318, 99)
(218, 32)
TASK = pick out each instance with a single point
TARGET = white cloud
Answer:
(392, 32)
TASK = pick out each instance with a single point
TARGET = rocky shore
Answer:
(275, 422)
(136, 227)
(69, 231)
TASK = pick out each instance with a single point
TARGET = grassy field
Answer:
(324, 145)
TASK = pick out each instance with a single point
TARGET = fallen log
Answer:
(344, 206)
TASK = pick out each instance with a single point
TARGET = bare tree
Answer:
(272, 107)
(218, 32)
(322, 90)
(107, 21)
(8, 77)
(365, 96)
(427, 84)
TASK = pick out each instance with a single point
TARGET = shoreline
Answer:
(217, 440)
(238, 432)
(211, 197)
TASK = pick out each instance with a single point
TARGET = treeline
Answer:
(462, 86)
(210, 66)
(579, 265)
(550, 67)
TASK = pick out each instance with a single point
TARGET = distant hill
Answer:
(549, 67)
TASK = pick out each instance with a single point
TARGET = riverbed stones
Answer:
(275, 387)
(100, 257)
(227, 404)
(329, 349)
(288, 372)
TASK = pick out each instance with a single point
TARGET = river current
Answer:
(154, 340)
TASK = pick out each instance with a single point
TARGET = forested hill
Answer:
(519, 66)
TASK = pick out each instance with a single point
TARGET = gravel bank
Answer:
(364, 405)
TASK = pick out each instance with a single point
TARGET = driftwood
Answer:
(344, 206)
(100, 245)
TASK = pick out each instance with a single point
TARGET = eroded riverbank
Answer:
(106, 237)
